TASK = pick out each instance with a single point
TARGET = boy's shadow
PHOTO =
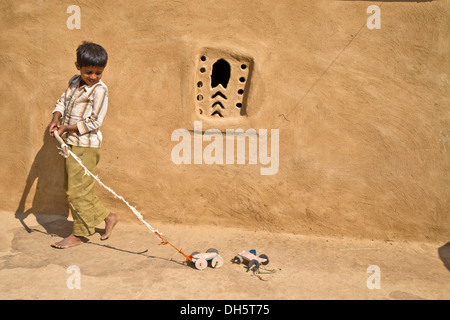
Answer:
(49, 200)
(444, 255)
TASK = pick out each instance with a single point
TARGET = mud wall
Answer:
(362, 115)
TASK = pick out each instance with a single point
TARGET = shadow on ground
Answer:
(444, 255)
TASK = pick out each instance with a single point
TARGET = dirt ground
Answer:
(131, 265)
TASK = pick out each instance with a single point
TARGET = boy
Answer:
(82, 108)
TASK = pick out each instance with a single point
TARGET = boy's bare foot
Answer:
(70, 241)
(110, 223)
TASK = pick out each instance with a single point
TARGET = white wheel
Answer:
(238, 259)
(201, 264)
(217, 262)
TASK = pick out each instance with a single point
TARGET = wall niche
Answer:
(222, 83)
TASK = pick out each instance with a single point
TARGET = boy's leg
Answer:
(71, 240)
(87, 209)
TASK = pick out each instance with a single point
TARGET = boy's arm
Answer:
(99, 108)
(58, 111)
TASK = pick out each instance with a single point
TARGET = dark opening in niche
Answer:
(220, 73)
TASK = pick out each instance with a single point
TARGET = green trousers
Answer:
(87, 210)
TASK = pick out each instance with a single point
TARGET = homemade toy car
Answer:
(200, 260)
(253, 261)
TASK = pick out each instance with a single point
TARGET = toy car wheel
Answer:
(212, 250)
(263, 256)
(238, 259)
(201, 264)
(253, 265)
(217, 262)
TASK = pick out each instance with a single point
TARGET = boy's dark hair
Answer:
(91, 54)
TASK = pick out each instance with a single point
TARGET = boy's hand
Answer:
(66, 128)
(53, 127)
(54, 124)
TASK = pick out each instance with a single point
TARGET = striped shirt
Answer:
(86, 107)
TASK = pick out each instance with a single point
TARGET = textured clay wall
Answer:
(357, 118)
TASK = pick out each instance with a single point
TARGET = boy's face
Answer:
(90, 75)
